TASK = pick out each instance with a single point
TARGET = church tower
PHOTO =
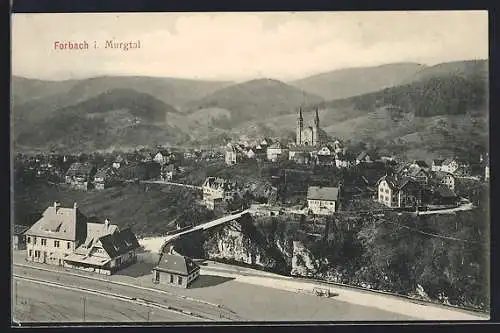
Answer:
(316, 129)
(300, 127)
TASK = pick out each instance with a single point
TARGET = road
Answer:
(208, 225)
(35, 302)
(162, 182)
(365, 301)
(203, 310)
(244, 294)
(464, 207)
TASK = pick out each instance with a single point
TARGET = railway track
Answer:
(139, 301)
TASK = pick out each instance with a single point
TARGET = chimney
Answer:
(75, 205)
(56, 205)
(106, 224)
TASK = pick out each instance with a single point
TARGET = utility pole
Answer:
(84, 301)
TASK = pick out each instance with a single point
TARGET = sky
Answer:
(241, 46)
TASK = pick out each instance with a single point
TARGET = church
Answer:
(310, 135)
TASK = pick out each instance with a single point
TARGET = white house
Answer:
(326, 151)
(363, 157)
(55, 235)
(397, 191)
(322, 200)
(161, 157)
(250, 153)
(231, 156)
(276, 151)
(215, 188)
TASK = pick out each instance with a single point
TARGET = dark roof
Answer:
(20, 229)
(362, 155)
(437, 162)
(176, 264)
(415, 171)
(421, 164)
(104, 172)
(119, 242)
(80, 169)
(322, 193)
(326, 158)
(395, 182)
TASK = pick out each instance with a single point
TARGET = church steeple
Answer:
(316, 119)
(300, 127)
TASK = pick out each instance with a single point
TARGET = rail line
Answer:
(111, 295)
(231, 316)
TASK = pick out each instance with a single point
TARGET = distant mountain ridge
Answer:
(349, 82)
(172, 91)
(90, 113)
(256, 99)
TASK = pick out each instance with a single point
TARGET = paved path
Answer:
(399, 305)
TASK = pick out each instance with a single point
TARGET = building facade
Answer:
(322, 200)
(55, 235)
(396, 192)
(105, 250)
(175, 270)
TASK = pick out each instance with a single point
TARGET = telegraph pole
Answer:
(15, 290)
(84, 301)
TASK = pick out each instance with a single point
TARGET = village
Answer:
(293, 179)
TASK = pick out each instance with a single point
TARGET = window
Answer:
(37, 253)
(44, 241)
(179, 279)
(386, 191)
(56, 243)
(381, 197)
(29, 240)
(171, 278)
(34, 240)
(30, 252)
(68, 245)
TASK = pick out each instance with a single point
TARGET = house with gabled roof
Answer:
(421, 164)
(79, 175)
(363, 157)
(56, 234)
(277, 151)
(444, 178)
(322, 200)
(175, 270)
(437, 164)
(326, 150)
(218, 188)
(398, 191)
(104, 177)
(106, 249)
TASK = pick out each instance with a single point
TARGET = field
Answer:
(149, 209)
